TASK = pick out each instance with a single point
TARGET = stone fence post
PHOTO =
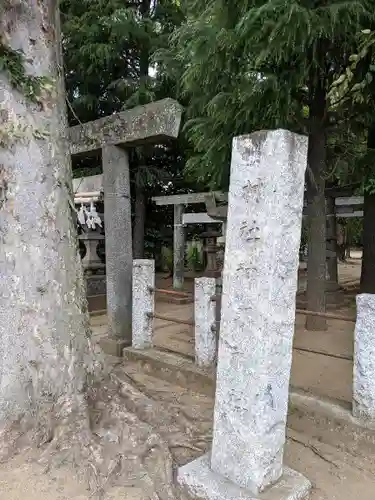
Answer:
(364, 359)
(205, 327)
(257, 325)
(143, 303)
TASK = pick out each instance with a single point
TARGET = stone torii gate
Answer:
(340, 203)
(180, 219)
(153, 123)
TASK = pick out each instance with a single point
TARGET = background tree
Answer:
(45, 345)
(353, 93)
(55, 395)
(118, 45)
(266, 64)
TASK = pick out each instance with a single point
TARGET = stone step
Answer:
(170, 299)
(173, 368)
(321, 442)
(97, 302)
(318, 375)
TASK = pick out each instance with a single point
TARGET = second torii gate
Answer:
(179, 201)
(344, 206)
(113, 135)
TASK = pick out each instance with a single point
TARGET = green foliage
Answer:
(109, 67)
(87, 171)
(108, 56)
(356, 83)
(166, 259)
(12, 63)
(194, 257)
(255, 64)
(33, 88)
(304, 240)
(354, 229)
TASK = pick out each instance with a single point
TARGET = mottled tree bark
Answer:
(316, 264)
(139, 223)
(140, 197)
(54, 392)
(44, 342)
(368, 260)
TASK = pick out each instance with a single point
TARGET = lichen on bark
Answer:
(55, 393)
(12, 62)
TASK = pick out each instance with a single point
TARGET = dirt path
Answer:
(338, 459)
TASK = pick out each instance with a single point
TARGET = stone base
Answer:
(199, 481)
(96, 284)
(113, 347)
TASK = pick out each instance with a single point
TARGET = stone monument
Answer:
(257, 325)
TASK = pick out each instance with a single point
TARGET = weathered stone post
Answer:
(364, 359)
(205, 327)
(119, 255)
(257, 324)
(178, 248)
(143, 302)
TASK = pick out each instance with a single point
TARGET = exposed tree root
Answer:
(113, 435)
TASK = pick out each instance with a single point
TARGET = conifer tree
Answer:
(255, 64)
(108, 57)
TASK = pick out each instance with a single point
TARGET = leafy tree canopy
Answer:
(257, 64)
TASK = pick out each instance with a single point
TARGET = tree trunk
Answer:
(140, 198)
(43, 331)
(332, 271)
(368, 258)
(316, 264)
(144, 60)
(52, 387)
(139, 223)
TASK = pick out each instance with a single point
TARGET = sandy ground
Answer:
(338, 459)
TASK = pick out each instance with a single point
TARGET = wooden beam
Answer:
(339, 191)
(195, 198)
(188, 198)
(198, 218)
(349, 200)
(90, 183)
(347, 209)
(350, 215)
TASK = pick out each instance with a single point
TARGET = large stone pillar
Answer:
(257, 324)
(118, 232)
(364, 359)
(178, 248)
